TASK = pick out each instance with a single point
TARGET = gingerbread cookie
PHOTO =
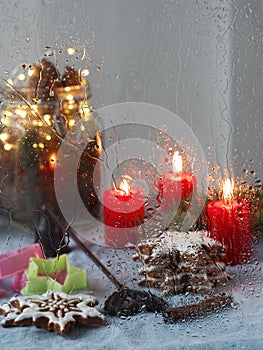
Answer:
(53, 311)
(177, 262)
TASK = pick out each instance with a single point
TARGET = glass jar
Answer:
(30, 136)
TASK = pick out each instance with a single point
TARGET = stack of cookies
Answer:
(177, 262)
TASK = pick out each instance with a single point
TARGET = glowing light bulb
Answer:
(4, 136)
(69, 97)
(7, 146)
(52, 160)
(86, 109)
(30, 72)
(71, 122)
(21, 77)
(47, 119)
(71, 51)
(21, 112)
(85, 72)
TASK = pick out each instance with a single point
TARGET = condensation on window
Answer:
(131, 142)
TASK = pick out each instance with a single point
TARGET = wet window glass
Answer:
(131, 197)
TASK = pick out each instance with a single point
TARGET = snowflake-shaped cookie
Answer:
(54, 311)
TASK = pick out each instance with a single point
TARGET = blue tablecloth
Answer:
(237, 328)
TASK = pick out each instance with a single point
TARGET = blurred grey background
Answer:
(200, 59)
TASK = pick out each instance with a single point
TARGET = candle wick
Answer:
(227, 200)
(122, 192)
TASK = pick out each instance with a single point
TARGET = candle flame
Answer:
(177, 162)
(124, 188)
(228, 189)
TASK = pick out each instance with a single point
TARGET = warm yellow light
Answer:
(3, 136)
(37, 123)
(7, 146)
(10, 81)
(86, 110)
(5, 120)
(99, 142)
(69, 97)
(21, 77)
(228, 189)
(30, 72)
(85, 72)
(47, 119)
(52, 160)
(34, 145)
(124, 188)
(48, 137)
(67, 88)
(21, 112)
(71, 51)
(41, 145)
(71, 122)
(177, 162)
(34, 107)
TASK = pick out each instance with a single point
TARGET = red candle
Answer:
(229, 223)
(176, 185)
(123, 212)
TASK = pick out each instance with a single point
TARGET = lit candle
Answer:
(123, 212)
(176, 184)
(229, 223)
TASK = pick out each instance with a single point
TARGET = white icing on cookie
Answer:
(59, 308)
